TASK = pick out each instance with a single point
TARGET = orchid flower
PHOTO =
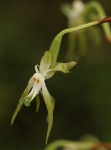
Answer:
(47, 68)
(36, 85)
(73, 12)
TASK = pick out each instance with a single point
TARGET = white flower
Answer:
(73, 12)
(37, 85)
(77, 8)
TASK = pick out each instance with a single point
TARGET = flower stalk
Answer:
(55, 46)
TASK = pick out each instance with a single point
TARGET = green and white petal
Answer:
(36, 87)
(49, 74)
(50, 107)
(45, 63)
(63, 67)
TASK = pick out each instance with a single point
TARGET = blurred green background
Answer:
(83, 98)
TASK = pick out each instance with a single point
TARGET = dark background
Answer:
(83, 98)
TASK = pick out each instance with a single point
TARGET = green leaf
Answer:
(37, 103)
(20, 103)
(50, 106)
(64, 67)
(45, 62)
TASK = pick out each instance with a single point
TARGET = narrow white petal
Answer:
(31, 93)
(36, 68)
(34, 94)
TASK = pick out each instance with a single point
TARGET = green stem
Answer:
(55, 46)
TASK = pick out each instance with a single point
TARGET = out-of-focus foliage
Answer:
(77, 13)
(83, 98)
(87, 142)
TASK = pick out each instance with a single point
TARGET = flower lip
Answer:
(37, 77)
(37, 82)
(36, 86)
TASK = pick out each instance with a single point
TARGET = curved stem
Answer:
(55, 46)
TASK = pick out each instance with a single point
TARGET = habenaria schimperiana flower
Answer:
(47, 68)
(36, 86)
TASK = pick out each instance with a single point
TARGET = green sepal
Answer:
(50, 106)
(20, 103)
(49, 74)
(53, 103)
(64, 67)
(45, 62)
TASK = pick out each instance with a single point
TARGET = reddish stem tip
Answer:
(104, 20)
